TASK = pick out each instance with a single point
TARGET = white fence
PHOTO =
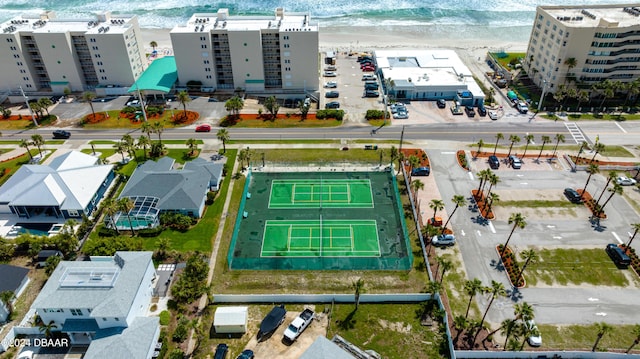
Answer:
(462, 354)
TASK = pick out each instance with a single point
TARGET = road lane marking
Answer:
(471, 176)
(557, 237)
(493, 230)
(602, 314)
(620, 127)
(462, 232)
(593, 299)
(551, 226)
(447, 153)
(617, 238)
(478, 232)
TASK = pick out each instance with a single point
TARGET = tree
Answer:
(25, 144)
(143, 142)
(616, 189)
(234, 105)
(192, 143)
(7, 298)
(436, 205)
(244, 156)
(472, 287)
(393, 155)
(597, 148)
(272, 105)
(147, 128)
(51, 263)
(125, 205)
(514, 139)
(636, 341)
(518, 221)
(446, 266)
(580, 150)
(610, 177)
(608, 92)
(413, 163)
(483, 176)
(529, 256)
(110, 208)
(499, 136)
(496, 290)
(223, 136)
(480, 144)
(158, 127)
(523, 311)
(358, 287)
(506, 328)
(44, 103)
(433, 288)
(192, 282)
(162, 246)
(559, 138)
(121, 148)
(602, 328)
(593, 168)
(493, 180)
(582, 96)
(458, 200)
(304, 109)
(571, 62)
(47, 329)
(89, 97)
(129, 144)
(636, 228)
(460, 323)
(184, 99)
(545, 139)
(493, 198)
(153, 45)
(37, 141)
(416, 186)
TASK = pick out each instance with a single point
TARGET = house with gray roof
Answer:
(14, 279)
(214, 169)
(103, 303)
(70, 186)
(157, 187)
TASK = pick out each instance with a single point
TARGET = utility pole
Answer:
(26, 101)
(144, 109)
(544, 90)
(401, 137)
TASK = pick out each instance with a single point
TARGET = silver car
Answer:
(443, 240)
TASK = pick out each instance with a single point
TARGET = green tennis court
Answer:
(321, 193)
(320, 238)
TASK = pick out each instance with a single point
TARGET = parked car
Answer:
(535, 339)
(522, 107)
(368, 69)
(370, 86)
(493, 115)
(331, 84)
(443, 240)
(441, 103)
(401, 115)
(396, 107)
(329, 74)
(332, 94)
(27, 354)
(203, 128)
(421, 171)
(371, 93)
(332, 104)
(572, 195)
(61, 134)
(494, 163)
(619, 257)
(221, 351)
(625, 181)
(515, 161)
(246, 354)
(470, 111)
(134, 103)
(330, 68)
(482, 111)
(368, 77)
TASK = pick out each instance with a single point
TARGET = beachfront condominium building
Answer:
(276, 54)
(583, 45)
(46, 54)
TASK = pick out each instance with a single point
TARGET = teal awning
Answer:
(160, 76)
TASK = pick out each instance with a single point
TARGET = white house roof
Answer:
(136, 341)
(230, 316)
(107, 287)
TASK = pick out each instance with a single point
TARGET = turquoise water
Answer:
(36, 229)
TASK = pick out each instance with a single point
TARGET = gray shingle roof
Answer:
(213, 168)
(323, 348)
(136, 341)
(107, 301)
(12, 277)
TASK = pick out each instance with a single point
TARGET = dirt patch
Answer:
(395, 326)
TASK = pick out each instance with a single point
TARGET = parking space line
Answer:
(617, 238)
(493, 230)
(620, 127)
(471, 176)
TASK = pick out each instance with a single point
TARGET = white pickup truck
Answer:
(298, 325)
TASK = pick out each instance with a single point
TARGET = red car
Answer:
(203, 128)
(368, 69)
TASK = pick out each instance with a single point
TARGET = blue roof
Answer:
(160, 76)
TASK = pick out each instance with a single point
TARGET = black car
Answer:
(370, 86)
(332, 104)
(332, 94)
(61, 134)
(469, 110)
(221, 351)
(441, 103)
(618, 255)
(371, 93)
(482, 111)
(421, 171)
(572, 195)
(246, 354)
(494, 163)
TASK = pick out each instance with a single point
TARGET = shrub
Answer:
(165, 317)
(150, 232)
(330, 113)
(211, 196)
(180, 334)
(107, 232)
(374, 115)
(176, 221)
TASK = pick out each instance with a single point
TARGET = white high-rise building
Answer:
(584, 45)
(257, 54)
(47, 54)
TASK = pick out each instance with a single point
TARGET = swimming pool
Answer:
(36, 229)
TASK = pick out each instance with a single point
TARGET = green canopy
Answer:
(160, 76)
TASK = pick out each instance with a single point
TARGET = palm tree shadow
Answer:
(497, 265)
(514, 294)
(349, 322)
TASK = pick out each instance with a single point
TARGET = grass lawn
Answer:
(603, 117)
(285, 123)
(392, 330)
(116, 122)
(582, 337)
(537, 204)
(8, 168)
(505, 61)
(611, 151)
(576, 266)
(328, 156)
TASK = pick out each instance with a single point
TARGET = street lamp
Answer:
(544, 90)
(26, 101)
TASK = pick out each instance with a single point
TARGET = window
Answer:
(286, 46)
(555, 27)
(560, 32)
(73, 212)
(76, 312)
(285, 37)
(9, 40)
(104, 319)
(203, 46)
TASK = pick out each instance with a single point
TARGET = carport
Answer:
(159, 79)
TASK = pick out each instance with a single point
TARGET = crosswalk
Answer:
(575, 132)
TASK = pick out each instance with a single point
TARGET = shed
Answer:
(44, 254)
(231, 320)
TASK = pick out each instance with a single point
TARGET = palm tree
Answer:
(602, 328)
(523, 311)
(460, 323)
(271, 104)
(184, 98)
(571, 63)
(493, 197)
(37, 141)
(582, 96)
(25, 144)
(125, 204)
(37, 109)
(545, 139)
(472, 287)
(234, 105)
(121, 148)
(47, 329)
(480, 144)
(358, 287)
(496, 290)
(433, 288)
(514, 139)
(493, 180)
(415, 187)
(147, 128)
(529, 256)
(192, 143)
(506, 328)
(616, 189)
(129, 144)
(393, 155)
(518, 221)
(158, 127)
(612, 175)
(593, 168)
(153, 45)
(110, 208)
(223, 136)
(527, 331)
(597, 148)
(636, 228)
(436, 205)
(483, 176)
(446, 266)
(559, 138)
(44, 103)
(413, 163)
(608, 92)
(7, 298)
(143, 141)
(636, 341)
(582, 146)
(499, 136)
(89, 97)
(458, 200)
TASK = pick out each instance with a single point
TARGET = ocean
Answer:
(504, 19)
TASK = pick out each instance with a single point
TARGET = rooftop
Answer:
(47, 22)
(12, 277)
(596, 15)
